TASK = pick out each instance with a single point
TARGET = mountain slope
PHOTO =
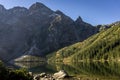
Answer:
(102, 46)
(38, 31)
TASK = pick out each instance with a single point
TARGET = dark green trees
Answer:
(103, 46)
(10, 74)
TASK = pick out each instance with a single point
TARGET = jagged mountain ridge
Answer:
(38, 31)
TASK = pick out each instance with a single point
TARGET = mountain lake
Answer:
(81, 70)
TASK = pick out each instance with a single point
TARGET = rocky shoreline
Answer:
(61, 75)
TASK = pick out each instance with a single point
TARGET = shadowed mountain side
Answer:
(38, 31)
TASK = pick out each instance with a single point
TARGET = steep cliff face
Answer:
(38, 31)
(84, 30)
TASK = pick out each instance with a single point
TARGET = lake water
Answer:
(83, 70)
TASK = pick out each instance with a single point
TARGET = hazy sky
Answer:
(91, 11)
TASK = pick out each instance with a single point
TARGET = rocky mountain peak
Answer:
(59, 12)
(18, 9)
(79, 20)
(63, 16)
(2, 8)
(37, 5)
(39, 8)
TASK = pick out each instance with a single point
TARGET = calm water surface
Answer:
(83, 70)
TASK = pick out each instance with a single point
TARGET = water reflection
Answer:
(36, 67)
(83, 70)
(29, 65)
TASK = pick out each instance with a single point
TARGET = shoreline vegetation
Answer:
(9, 73)
(103, 46)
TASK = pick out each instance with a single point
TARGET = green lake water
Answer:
(82, 70)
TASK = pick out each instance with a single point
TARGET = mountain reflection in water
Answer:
(83, 70)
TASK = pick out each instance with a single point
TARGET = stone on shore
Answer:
(60, 75)
(36, 77)
(43, 74)
(56, 76)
